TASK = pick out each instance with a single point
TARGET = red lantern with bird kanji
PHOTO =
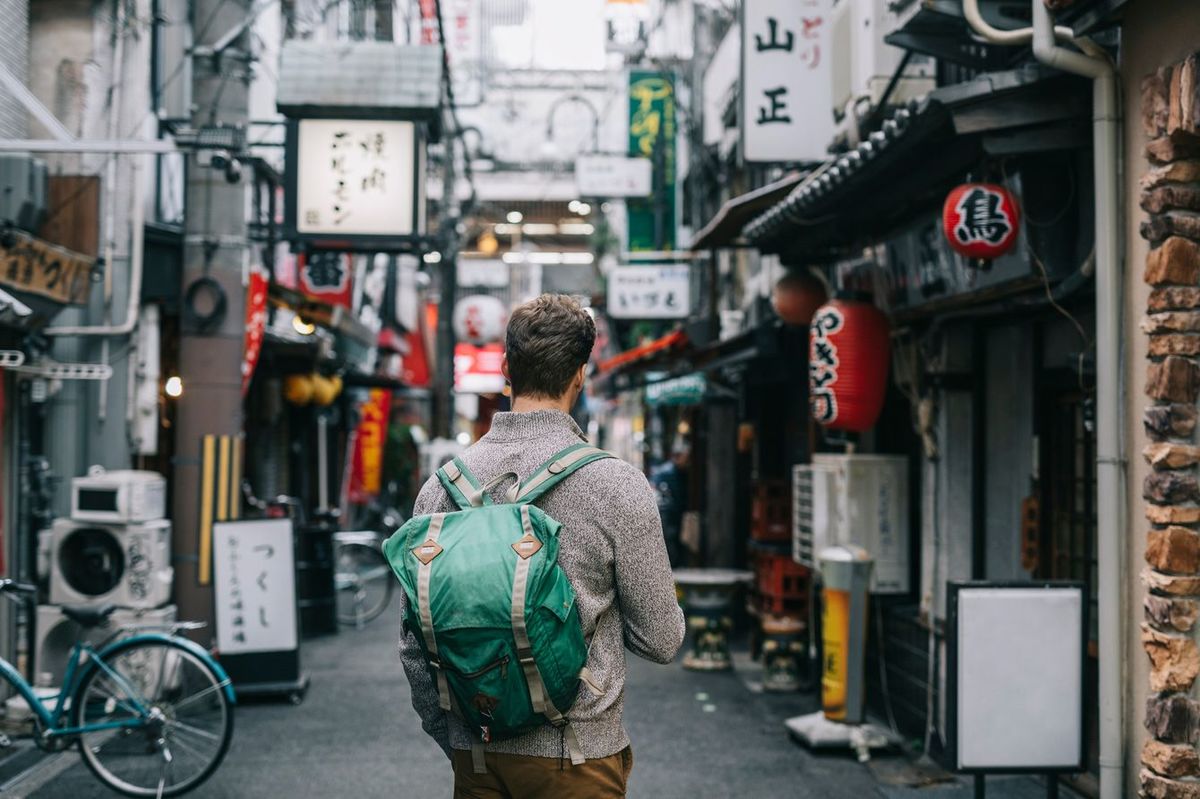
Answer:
(848, 359)
(981, 220)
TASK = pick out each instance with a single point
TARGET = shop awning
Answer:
(725, 228)
(858, 197)
(673, 340)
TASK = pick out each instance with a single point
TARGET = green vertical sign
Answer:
(652, 135)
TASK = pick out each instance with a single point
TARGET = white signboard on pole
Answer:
(599, 175)
(464, 49)
(625, 25)
(649, 292)
(255, 586)
(787, 80)
(356, 177)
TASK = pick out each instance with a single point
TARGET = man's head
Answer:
(547, 346)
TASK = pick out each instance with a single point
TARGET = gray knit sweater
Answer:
(612, 550)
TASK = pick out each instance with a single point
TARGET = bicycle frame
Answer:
(77, 667)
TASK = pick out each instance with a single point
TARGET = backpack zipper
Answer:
(499, 663)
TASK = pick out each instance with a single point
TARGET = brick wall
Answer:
(1170, 196)
(14, 55)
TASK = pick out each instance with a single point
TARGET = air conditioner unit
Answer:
(863, 63)
(56, 634)
(125, 564)
(854, 499)
(118, 496)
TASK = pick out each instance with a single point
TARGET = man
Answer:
(670, 481)
(611, 548)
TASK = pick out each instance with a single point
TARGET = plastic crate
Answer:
(781, 577)
(771, 511)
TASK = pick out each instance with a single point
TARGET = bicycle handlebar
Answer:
(14, 587)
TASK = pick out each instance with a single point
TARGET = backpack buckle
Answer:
(556, 468)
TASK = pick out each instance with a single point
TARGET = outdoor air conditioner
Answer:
(56, 634)
(125, 564)
(854, 499)
(863, 63)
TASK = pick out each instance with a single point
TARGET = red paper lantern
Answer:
(849, 354)
(797, 297)
(981, 220)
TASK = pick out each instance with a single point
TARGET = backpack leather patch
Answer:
(426, 552)
(527, 547)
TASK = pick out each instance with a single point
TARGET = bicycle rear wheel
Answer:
(176, 745)
(364, 583)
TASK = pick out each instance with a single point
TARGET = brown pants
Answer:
(521, 777)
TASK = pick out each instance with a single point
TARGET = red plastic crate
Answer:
(771, 511)
(780, 577)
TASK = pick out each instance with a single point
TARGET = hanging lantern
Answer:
(849, 353)
(298, 389)
(480, 319)
(981, 220)
(797, 296)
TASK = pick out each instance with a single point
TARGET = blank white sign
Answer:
(1020, 692)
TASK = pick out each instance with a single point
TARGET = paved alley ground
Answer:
(356, 735)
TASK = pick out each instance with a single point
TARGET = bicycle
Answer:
(151, 712)
(363, 578)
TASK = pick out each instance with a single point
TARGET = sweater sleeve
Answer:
(412, 658)
(652, 619)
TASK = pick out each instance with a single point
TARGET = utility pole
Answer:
(443, 416)
(215, 252)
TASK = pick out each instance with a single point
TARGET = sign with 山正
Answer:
(36, 267)
(787, 80)
(255, 586)
(356, 178)
(649, 292)
(613, 176)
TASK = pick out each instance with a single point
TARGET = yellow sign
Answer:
(34, 266)
(835, 623)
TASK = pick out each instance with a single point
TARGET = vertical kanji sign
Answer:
(787, 89)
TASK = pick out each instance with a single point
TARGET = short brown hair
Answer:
(548, 339)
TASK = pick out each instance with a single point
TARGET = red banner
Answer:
(256, 325)
(366, 474)
(326, 276)
(477, 370)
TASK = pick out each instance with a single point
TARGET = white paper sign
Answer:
(464, 45)
(649, 292)
(255, 586)
(787, 80)
(355, 177)
(613, 176)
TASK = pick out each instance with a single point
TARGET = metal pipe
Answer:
(122, 146)
(1016, 37)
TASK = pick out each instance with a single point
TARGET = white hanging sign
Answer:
(356, 178)
(787, 80)
(649, 292)
(255, 586)
(601, 175)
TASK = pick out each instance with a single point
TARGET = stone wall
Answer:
(1170, 197)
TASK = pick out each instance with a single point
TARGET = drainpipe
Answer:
(1093, 63)
(1110, 463)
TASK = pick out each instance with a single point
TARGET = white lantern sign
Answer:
(480, 319)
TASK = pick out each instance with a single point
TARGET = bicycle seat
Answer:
(88, 615)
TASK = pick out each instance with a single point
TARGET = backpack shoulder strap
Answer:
(462, 486)
(561, 466)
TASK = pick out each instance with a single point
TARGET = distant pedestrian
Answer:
(612, 551)
(670, 480)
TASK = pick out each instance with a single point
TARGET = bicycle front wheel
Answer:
(162, 728)
(364, 583)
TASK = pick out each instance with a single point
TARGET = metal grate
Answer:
(802, 516)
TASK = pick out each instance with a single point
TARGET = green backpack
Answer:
(495, 613)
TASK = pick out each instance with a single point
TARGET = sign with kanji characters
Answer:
(355, 178)
(649, 292)
(39, 268)
(477, 370)
(255, 586)
(602, 175)
(787, 80)
(256, 325)
(652, 132)
(326, 276)
(366, 469)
